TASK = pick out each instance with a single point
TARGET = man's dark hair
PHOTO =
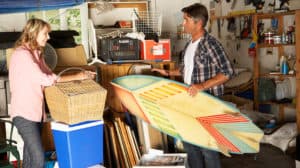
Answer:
(197, 12)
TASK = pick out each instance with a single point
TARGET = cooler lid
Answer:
(65, 127)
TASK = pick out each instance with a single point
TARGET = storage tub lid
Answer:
(65, 127)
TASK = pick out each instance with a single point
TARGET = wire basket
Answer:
(148, 22)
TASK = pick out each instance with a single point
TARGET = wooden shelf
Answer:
(280, 47)
(140, 5)
(235, 14)
(281, 108)
(281, 76)
(276, 103)
(274, 15)
(253, 12)
(263, 45)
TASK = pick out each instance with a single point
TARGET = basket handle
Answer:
(70, 68)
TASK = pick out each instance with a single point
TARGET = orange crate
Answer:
(151, 50)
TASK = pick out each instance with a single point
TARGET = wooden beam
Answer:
(297, 29)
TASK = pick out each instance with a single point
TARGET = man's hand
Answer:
(195, 88)
(161, 71)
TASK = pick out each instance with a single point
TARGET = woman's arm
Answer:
(78, 76)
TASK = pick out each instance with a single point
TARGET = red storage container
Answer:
(151, 50)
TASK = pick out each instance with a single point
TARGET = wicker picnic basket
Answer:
(76, 101)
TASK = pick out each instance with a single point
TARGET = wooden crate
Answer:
(109, 72)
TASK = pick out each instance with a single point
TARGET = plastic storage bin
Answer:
(118, 49)
(80, 145)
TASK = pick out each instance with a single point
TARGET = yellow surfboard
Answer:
(202, 120)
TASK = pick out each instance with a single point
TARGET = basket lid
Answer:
(77, 87)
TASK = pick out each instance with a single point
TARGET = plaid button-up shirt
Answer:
(210, 59)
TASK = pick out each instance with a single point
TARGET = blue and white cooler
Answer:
(79, 145)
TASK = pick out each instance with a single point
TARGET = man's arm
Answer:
(216, 80)
(164, 72)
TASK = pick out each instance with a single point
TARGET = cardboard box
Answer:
(9, 52)
(65, 56)
(4, 96)
(161, 51)
(79, 145)
(71, 56)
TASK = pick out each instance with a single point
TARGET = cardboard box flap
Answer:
(71, 56)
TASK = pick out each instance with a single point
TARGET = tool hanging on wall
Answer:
(233, 4)
(219, 27)
(212, 13)
(259, 4)
(284, 4)
(219, 21)
(210, 25)
(248, 2)
(231, 27)
(246, 27)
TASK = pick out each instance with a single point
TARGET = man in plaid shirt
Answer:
(204, 66)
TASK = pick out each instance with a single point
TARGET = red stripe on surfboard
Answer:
(219, 137)
(223, 118)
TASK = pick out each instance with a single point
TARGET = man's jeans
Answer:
(200, 157)
(33, 153)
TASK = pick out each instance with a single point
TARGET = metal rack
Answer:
(148, 22)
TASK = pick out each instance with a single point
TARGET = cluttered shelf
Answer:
(234, 14)
(274, 15)
(264, 45)
(281, 103)
(280, 37)
(283, 106)
(260, 15)
(277, 74)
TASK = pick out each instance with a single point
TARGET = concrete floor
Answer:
(268, 157)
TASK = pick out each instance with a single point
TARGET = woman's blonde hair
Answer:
(30, 33)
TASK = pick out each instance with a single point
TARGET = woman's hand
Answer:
(86, 75)
(77, 76)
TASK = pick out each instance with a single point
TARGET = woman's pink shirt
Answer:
(27, 79)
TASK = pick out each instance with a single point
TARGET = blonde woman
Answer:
(28, 75)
